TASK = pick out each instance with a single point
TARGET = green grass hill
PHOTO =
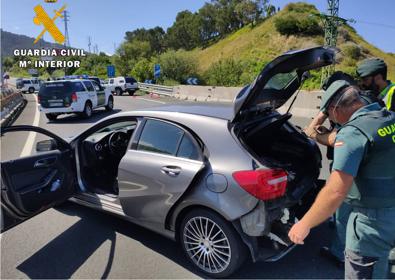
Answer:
(263, 42)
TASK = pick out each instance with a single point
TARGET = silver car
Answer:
(226, 182)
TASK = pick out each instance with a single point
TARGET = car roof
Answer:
(71, 80)
(214, 110)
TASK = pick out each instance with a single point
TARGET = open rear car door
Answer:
(32, 184)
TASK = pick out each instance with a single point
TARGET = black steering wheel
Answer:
(118, 142)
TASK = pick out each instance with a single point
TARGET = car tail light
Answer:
(38, 99)
(263, 184)
(74, 97)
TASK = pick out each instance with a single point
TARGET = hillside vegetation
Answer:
(255, 46)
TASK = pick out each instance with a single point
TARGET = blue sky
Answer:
(107, 21)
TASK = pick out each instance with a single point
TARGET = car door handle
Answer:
(171, 170)
(45, 162)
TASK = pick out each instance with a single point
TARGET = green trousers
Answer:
(369, 240)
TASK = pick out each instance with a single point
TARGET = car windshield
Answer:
(281, 80)
(118, 126)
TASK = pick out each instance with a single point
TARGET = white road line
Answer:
(161, 102)
(27, 149)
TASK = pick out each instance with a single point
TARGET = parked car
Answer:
(28, 85)
(119, 85)
(73, 96)
(226, 182)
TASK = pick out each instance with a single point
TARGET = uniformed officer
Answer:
(364, 153)
(373, 74)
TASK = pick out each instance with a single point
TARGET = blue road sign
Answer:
(192, 81)
(156, 71)
(110, 71)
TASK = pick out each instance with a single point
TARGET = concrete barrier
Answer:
(306, 104)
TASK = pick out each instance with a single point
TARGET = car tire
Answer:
(118, 91)
(131, 92)
(51, 117)
(87, 113)
(31, 90)
(110, 104)
(211, 243)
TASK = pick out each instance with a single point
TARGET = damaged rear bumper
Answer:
(266, 236)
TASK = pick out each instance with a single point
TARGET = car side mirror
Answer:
(46, 145)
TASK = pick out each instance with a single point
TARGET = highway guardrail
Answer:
(158, 89)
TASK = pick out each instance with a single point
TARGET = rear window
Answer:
(281, 80)
(57, 88)
(130, 80)
(78, 86)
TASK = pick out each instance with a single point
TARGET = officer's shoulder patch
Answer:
(339, 143)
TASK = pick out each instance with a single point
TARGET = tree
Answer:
(129, 53)
(185, 32)
(247, 11)
(7, 63)
(154, 36)
(208, 28)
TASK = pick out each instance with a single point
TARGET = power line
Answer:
(376, 23)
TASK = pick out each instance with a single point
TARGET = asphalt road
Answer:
(72, 241)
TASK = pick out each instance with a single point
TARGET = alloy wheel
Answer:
(207, 245)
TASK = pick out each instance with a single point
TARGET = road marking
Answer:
(27, 149)
(161, 102)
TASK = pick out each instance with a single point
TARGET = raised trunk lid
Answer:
(279, 80)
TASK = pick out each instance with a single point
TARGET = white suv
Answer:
(29, 85)
(73, 96)
(119, 85)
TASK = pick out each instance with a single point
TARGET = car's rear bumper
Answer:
(64, 110)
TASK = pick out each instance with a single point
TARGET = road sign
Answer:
(157, 71)
(33, 72)
(111, 71)
(192, 81)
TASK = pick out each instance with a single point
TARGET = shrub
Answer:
(352, 51)
(177, 65)
(226, 72)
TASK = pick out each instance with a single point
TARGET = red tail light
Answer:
(74, 97)
(263, 184)
(38, 99)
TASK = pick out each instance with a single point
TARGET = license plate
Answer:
(55, 104)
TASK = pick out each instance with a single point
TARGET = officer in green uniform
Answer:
(373, 74)
(364, 154)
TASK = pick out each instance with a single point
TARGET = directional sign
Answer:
(192, 81)
(157, 71)
(111, 71)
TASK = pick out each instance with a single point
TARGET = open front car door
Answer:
(31, 184)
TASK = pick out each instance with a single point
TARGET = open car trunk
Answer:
(276, 143)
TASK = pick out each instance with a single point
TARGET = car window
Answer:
(55, 89)
(188, 149)
(26, 82)
(111, 81)
(121, 81)
(160, 137)
(78, 86)
(89, 86)
(281, 80)
(96, 86)
(130, 80)
(35, 82)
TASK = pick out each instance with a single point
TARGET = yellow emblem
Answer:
(49, 23)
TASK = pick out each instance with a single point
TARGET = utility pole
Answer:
(331, 22)
(66, 19)
(89, 43)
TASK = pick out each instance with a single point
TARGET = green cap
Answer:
(370, 67)
(331, 91)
